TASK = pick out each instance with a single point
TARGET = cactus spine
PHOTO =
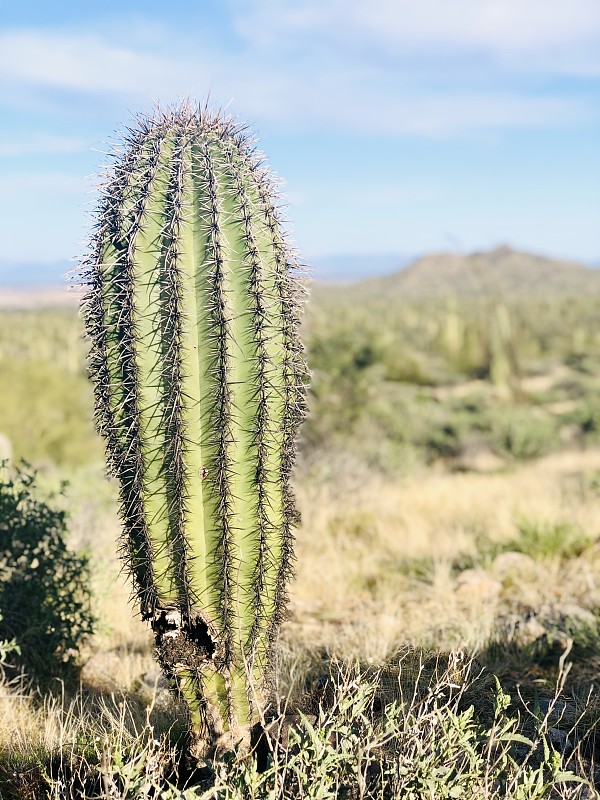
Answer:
(192, 311)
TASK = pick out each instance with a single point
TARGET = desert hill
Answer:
(500, 272)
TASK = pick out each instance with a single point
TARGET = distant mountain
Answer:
(333, 268)
(25, 274)
(499, 272)
(502, 271)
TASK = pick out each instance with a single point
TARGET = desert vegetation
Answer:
(442, 636)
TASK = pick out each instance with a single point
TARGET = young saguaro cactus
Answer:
(192, 310)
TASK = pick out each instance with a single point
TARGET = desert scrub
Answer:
(522, 433)
(542, 539)
(45, 602)
(46, 401)
(424, 727)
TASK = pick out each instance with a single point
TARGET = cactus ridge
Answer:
(221, 408)
(192, 308)
(109, 321)
(264, 557)
(172, 419)
(295, 375)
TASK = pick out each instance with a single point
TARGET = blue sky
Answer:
(398, 127)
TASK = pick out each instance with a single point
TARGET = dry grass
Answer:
(358, 589)
(380, 565)
(355, 592)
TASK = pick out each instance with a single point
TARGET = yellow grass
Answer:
(355, 593)
(350, 593)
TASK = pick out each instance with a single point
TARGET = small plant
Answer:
(539, 539)
(45, 603)
(192, 310)
(522, 434)
(376, 734)
(548, 539)
(6, 648)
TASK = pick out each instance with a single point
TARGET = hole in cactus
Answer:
(197, 631)
(195, 641)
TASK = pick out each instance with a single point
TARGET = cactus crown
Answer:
(192, 309)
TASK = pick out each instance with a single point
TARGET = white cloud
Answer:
(540, 35)
(314, 91)
(371, 110)
(75, 61)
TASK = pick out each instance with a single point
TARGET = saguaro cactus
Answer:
(192, 310)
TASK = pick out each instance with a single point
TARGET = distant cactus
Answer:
(502, 358)
(192, 310)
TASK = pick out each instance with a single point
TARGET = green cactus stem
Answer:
(192, 306)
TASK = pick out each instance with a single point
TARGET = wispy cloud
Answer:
(362, 109)
(557, 36)
(72, 60)
(355, 77)
(317, 91)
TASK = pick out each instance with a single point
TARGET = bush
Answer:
(587, 418)
(522, 434)
(45, 603)
(549, 539)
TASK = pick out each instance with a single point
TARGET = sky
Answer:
(398, 127)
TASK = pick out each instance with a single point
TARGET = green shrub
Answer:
(540, 539)
(522, 434)
(419, 729)
(45, 603)
(587, 418)
(46, 400)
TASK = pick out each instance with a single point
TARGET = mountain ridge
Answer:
(502, 271)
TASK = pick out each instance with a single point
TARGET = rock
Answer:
(153, 687)
(100, 670)
(475, 455)
(560, 739)
(512, 563)
(154, 679)
(557, 710)
(558, 624)
(569, 434)
(476, 585)
(528, 630)
(559, 641)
